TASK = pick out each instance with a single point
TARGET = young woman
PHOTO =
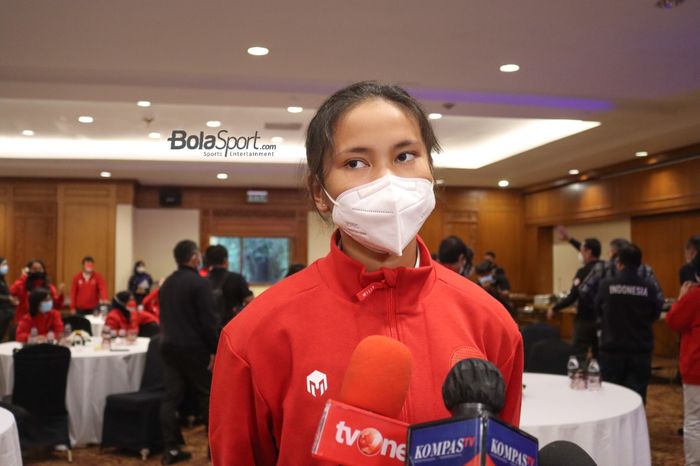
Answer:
(124, 315)
(369, 155)
(34, 276)
(41, 315)
(140, 282)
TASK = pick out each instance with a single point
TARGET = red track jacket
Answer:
(684, 317)
(19, 289)
(43, 323)
(86, 294)
(262, 409)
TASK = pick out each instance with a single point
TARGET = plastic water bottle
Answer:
(33, 335)
(571, 368)
(50, 337)
(106, 337)
(593, 375)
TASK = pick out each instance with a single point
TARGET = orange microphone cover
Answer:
(378, 376)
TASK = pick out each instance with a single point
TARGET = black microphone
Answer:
(474, 392)
(564, 453)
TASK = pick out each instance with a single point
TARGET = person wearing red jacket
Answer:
(124, 315)
(41, 315)
(684, 317)
(279, 361)
(32, 277)
(88, 289)
(151, 303)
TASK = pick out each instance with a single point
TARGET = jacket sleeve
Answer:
(209, 323)
(239, 418)
(56, 324)
(17, 288)
(57, 298)
(112, 321)
(73, 292)
(651, 278)
(684, 312)
(23, 328)
(588, 289)
(570, 299)
(575, 243)
(600, 298)
(512, 372)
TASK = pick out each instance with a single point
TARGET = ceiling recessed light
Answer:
(439, 182)
(295, 109)
(27, 132)
(503, 183)
(435, 116)
(85, 119)
(641, 153)
(573, 172)
(222, 176)
(213, 123)
(143, 103)
(105, 174)
(509, 68)
(154, 135)
(277, 139)
(258, 51)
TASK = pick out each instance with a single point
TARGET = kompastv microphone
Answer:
(359, 428)
(474, 392)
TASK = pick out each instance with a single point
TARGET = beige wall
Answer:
(565, 258)
(156, 231)
(123, 245)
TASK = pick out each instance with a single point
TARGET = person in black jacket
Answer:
(231, 292)
(585, 326)
(456, 256)
(628, 305)
(7, 301)
(189, 337)
(140, 282)
(687, 272)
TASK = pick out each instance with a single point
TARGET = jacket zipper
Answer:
(394, 331)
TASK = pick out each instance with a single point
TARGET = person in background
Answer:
(41, 315)
(88, 289)
(499, 274)
(33, 276)
(628, 305)
(485, 272)
(230, 289)
(585, 323)
(125, 316)
(140, 282)
(150, 303)
(684, 317)
(294, 268)
(687, 272)
(189, 337)
(455, 255)
(7, 301)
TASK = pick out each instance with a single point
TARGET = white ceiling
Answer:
(627, 64)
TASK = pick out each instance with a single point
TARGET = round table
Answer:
(10, 453)
(610, 424)
(92, 375)
(96, 322)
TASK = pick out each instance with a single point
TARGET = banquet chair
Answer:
(78, 323)
(132, 420)
(39, 397)
(549, 356)
(533, 334)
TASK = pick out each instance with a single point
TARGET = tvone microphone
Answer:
(359, 428)
(474, 392)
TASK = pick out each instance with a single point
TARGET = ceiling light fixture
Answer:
(295, 109)
(503, 183)
(258, 51)
(509, 68)
(154, 135)
(27, 132)
(435, 116)
(573, 172)
(641, 153)
(143, 103)
(213, 123)
(85, 119)
(106, 174)
(222, 176)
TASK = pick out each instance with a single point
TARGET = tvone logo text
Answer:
(369, 441)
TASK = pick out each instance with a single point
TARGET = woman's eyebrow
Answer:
(364, 150)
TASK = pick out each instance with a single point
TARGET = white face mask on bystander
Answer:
(385, 214)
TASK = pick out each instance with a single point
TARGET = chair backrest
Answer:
(550, 356)
(41, 374)
(153, 370)
(535, 333)
(149, 329)
(78, 323)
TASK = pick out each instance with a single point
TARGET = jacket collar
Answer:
(349, 278)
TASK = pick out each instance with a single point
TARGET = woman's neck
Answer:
(373, 261)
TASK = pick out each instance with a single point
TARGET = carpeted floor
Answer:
(664, 415)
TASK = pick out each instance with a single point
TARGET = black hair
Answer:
(490, 253)
(88, 259)
(36, 297)
(693, 243)
(484, 268)
(319, 134)
(43, 266)
(294, 268)
(184, 250)
(451, 248)
(593, 245)
(120, 301)
(619, 243)
(137, 265)
(215, 255)
(630, 256)
(696, 264)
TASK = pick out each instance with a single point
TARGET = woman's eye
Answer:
(355, 164)
(406, 156)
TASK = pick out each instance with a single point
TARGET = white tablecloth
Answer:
(96, 322)
(10, 453)
(609, 424)
(92, 375)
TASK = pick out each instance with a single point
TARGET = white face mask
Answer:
(385, 214)
(580, 258)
